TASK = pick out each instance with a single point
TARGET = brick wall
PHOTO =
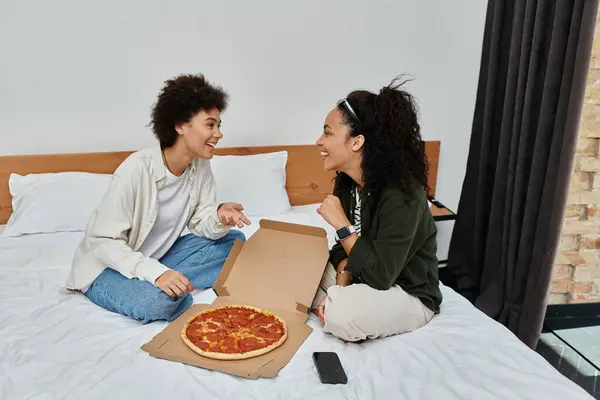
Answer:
(576, 275)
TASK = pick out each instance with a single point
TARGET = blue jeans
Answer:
(198, 259)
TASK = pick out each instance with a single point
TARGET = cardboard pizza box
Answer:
(279, 269)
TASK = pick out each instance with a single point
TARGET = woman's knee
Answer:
(197, 242)
(233, 235)
(342, 326)
(225, 244)
(163, 308)
(340, 315)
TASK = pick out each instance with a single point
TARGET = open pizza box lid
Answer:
(279, 269)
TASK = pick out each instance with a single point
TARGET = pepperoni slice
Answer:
(258, 331)
(258, 320)
(213, 337)
(274, 331)
(275, 336)
(249, 344)
(193, 333)
(244, 323)
(194, 337)
(229, 342)
(240, 321)
(219, 318)
(203, 345)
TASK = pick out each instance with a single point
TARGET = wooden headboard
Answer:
(307, 181)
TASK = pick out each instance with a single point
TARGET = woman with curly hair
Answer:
(382, 275)
(133, 259)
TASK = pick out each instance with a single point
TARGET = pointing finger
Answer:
(245, 219)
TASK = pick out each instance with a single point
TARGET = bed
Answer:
(55, 345)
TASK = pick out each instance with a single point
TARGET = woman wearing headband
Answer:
(382, 278)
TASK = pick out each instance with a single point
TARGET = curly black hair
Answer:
(179, 100)
(393, 151)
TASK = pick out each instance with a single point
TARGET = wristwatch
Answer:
(344, 232)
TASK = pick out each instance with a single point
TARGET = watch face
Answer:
(343, 232)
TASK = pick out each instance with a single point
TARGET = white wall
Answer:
(79, 76)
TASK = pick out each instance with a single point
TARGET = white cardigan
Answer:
(125, 216)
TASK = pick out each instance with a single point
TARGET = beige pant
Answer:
(358, 312)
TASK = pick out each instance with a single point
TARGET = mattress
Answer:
(54, 345)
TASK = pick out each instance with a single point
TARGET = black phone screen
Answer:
(329, 368)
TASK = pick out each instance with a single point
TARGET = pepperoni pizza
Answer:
(234, 332)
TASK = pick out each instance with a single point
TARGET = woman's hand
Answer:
(344, 279)
(230, 214)
(320, 310)
(174, 283)
(332, 211)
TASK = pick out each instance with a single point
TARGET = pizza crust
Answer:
(234, 356)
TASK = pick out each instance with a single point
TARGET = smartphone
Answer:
(329, 368)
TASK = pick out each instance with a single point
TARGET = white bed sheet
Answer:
(54, 346)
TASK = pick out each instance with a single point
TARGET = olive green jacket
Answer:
(397, 245)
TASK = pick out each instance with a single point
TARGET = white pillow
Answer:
(53, 202)
(255, 181)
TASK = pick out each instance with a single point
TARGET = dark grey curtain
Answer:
(534, 64)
